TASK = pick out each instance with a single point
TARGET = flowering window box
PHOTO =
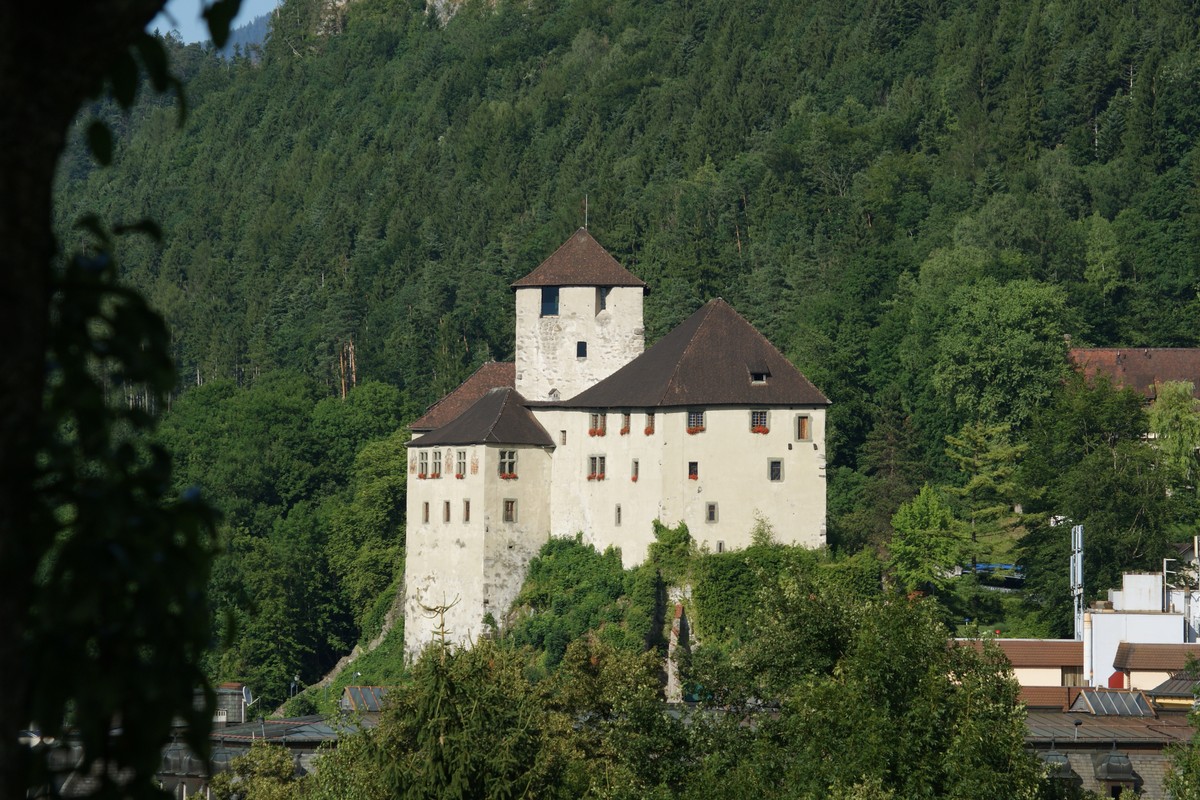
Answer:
(692, 431)
(599, 476)
(508, 476)
(649, 430)
(459, 475)
(634, 479)
(422, 476)
(760, 429)
(596, 431)
(624, 431)
(592, 477)
(693, 477)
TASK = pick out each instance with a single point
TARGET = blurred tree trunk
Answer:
(52, 57)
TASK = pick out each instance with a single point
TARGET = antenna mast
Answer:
(585, 211)
(1077, 577)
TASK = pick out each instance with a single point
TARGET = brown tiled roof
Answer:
(1140, 368)
(491, 375)
(580, 261)
(1036, 652)
(1154, 657)
(1059, 697)
(707, 360)
(499, 417)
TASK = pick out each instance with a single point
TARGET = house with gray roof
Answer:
(590, 433)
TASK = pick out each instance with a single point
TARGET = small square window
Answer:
(549, 301)
(775, 469)
(466, 510)
(508, 464)
(758, 421)
(710, 515)
(803, 428)
(510, 510)
(720, 546)
(446, 511)
(695, 421)
(599, 425)
(581, 349)
(562, 437)
(693, 470)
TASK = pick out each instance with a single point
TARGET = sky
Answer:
(184, 16)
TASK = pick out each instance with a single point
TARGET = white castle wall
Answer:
(480, 563)
(733, 473)
(546, 358)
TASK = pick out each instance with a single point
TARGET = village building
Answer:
(590, 434)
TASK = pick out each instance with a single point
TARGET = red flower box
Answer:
(649, 430)
(693, 477)
(508, 476)
(695, 430)
(596, 431)
(459, 475)
(592, 477)
(634, 479)
(760, 429)
(422, 475)
(624, 431)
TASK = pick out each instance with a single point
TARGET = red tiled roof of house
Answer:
(1059, 697)
(714, 357)
(1036, 652)
(492, 375)
(1154, 657)
(1139, 368)
(580, 261)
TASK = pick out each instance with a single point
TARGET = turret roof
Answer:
(580, 261)
(714, 357)
(499, 417)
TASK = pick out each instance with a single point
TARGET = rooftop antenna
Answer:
(1077, 577)
(585, 211)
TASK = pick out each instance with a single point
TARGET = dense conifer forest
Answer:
(917, 202)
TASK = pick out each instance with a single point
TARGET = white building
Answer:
(588, 434)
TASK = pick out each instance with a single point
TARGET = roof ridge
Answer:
(707, 309)
(500, 411)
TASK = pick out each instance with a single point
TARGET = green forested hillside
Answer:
(916, 201)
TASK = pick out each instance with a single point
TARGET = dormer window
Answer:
(549, 301)
(759, 378)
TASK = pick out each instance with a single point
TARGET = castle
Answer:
(586, 433)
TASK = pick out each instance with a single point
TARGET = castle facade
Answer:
(588, 432)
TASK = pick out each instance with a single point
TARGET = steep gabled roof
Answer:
(708, 360)
(1140, 368)
(580, 261)
(499, 417)
(491, 375)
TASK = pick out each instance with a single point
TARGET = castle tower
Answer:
(579, 319)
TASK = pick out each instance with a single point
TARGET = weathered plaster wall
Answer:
(481, 562)
(546, 358)
(733, 473)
